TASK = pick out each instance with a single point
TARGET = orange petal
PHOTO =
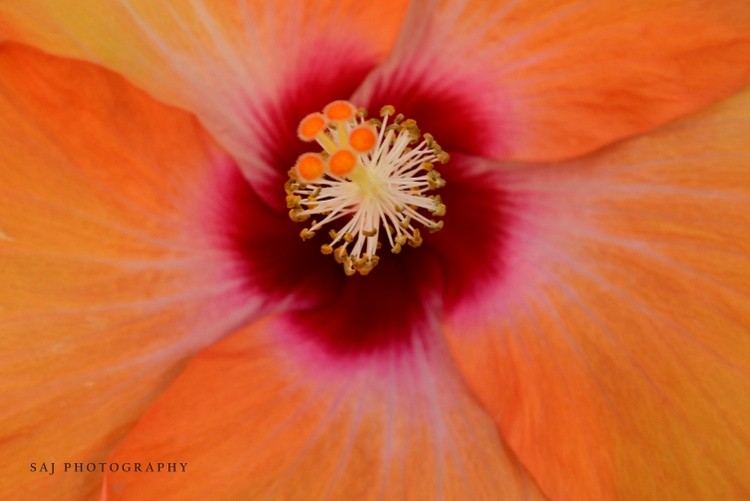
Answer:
(253, 419)
(109, 276)
(615, 353)
(228, 62)
(548, 80)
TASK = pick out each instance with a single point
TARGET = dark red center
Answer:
(359, 315)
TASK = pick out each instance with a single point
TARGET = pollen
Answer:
(371, 186)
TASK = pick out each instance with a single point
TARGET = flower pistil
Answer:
(379, 174)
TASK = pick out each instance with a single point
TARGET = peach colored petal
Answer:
(110, 278)
(230, 62)
(553, 79)
(615, 354)
(252, 420)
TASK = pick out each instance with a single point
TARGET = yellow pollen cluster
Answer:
(376, 175)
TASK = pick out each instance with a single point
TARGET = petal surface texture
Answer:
(254, 420)
(110, 274)
(615, 353)
(225, 61)
(553, 79)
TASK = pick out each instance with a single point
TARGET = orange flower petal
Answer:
(548, 80)
(251, 419)
(109, 277)
(228, 62)
(615, 353)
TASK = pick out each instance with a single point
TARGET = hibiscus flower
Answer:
(578, 329)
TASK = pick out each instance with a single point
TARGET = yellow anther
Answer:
(298, 215)
(387, 110)
(340, 254)
(416, 239)
(293, 201)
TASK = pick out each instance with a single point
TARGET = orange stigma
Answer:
(363, 139)
(310, 166)
(342, 163)
(339, 110)
(310, 126)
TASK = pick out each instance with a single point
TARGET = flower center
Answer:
(375, 175)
